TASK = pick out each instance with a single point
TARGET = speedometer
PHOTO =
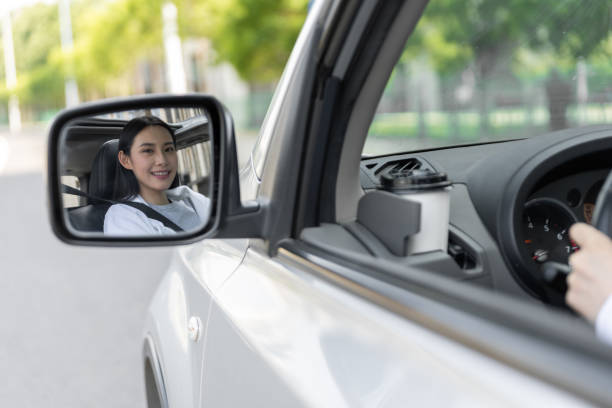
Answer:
(545, 227)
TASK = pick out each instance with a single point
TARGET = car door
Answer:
(299, 324)
(282, 333)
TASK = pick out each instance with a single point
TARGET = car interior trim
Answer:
(336, 27)
(314, 154)
(326, 94)
(353, 39)
(377, 212)
(365, 57)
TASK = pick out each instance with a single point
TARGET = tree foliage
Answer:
(456, 33)
(36, 39)
(255, 36)
(112, 36)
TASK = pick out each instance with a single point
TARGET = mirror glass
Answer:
(137, 173)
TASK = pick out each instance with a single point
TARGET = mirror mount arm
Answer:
(237, 219)
(247, 223)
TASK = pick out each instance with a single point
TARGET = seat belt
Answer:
(148, 211)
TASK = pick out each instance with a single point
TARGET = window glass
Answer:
(71, 200)
(194, 167)
(486, 70)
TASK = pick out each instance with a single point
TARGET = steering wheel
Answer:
(602, 217)
(602, 220)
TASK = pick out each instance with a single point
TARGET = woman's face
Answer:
(152, 159)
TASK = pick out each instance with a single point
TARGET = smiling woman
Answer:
(147, 173)
(147, 160)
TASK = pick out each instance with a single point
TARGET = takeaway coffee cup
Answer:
(432, 191)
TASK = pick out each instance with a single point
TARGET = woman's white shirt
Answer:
(187, 206)
(603, 322)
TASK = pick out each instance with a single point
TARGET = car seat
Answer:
(101, 183)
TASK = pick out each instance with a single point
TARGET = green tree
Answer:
(255, 36)
(491, 34)
(109, 38)
(112, 37)
(40, 77)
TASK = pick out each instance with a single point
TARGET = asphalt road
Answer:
(70, 317)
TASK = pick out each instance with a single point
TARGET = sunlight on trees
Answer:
(112, 36)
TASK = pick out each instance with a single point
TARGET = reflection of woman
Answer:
(146, 173)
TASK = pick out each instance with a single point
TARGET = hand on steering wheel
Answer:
(590, 282)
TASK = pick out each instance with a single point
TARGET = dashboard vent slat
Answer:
(399, 166)
(373, 169)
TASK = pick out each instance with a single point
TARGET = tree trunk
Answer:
(483, 108)
(558, 93)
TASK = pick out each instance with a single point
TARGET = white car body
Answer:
(278, 336)
(264, 322)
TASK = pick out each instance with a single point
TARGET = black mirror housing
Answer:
(228, 217)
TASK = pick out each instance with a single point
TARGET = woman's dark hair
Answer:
(126, 186)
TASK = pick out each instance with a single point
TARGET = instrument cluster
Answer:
(548, 214)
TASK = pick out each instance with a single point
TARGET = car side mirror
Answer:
(148, 170)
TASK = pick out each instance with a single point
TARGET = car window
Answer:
(194, 167)
(477, 71)
(69, 199)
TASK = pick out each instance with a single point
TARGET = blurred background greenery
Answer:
(487, 70)
(473, 70)
(235, 48)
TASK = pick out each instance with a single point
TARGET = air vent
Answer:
(372, 169)
(399, 166)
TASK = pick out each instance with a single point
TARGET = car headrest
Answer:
(102, 177)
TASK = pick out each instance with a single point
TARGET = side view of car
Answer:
(300, 291)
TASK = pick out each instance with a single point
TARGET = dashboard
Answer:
(514, 201)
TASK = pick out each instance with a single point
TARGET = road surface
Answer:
(71, 317)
